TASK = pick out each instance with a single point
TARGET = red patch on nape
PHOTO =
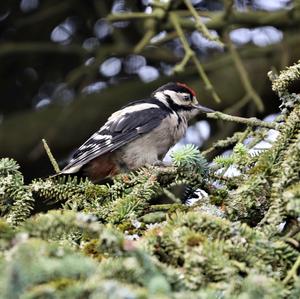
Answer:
(192, 91)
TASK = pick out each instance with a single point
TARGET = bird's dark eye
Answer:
(186, 98)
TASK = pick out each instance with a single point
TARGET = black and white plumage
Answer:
(138, 134)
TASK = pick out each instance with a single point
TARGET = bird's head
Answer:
(180, 98)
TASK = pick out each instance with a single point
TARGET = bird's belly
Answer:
(142, 151)
(150, 148)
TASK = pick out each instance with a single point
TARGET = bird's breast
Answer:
(153, 146)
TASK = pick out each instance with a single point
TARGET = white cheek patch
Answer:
(177, 97)
(174, 96)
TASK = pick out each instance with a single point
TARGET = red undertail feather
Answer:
(101, 167)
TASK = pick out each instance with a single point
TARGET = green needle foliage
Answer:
(189, 158)
(16, 200)
(135, 238)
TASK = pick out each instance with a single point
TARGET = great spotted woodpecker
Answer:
(138, 134)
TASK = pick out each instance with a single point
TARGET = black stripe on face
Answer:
(177, 107)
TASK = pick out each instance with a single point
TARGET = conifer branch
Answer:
(190, 54)
(200, 26)
(251, 122)
(243, 74)
(293, 272)
(50, 156)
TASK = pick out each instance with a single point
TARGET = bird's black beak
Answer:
(203, 109)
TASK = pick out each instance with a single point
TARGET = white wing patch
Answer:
(131, 109)
(98, 136)
(72, 169)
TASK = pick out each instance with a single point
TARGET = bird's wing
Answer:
(121, 128)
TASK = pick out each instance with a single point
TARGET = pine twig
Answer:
(293, 272)
(190, 54)
(224, 142)
(144, 41)
(228, 5)
(285, 78)
(124, 16)
(243, 74)
(51, 157)
(171, 196)
(200, 26)
(251, 122)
